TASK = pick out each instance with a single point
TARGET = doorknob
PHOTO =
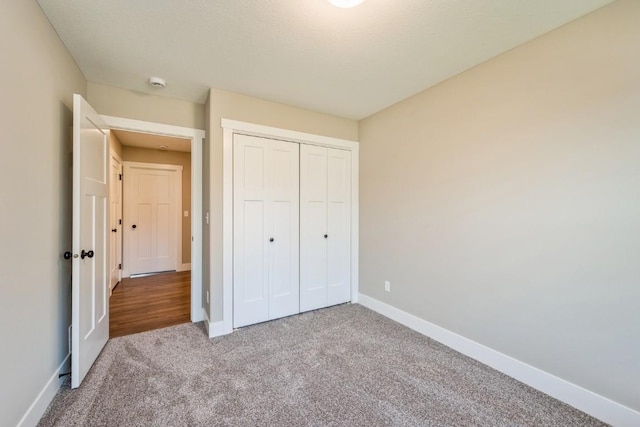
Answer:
(84, 254)
(67, 255)
(326, 235)
(114, 230)
(271, 239)
(134, 226)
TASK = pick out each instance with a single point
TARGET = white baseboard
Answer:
(587, 401)
(219, 329)
(46, 395)
(185, 267)
(216, 329)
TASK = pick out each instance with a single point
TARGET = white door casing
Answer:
(115, 246)
(266, 230)
(152, 220)
(90, 270)
(325, 230)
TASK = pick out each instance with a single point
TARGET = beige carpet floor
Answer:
(341, 366)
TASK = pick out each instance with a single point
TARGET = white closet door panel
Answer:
(284, 278)
(251, 219)
(251, 292)
(284, 196)
(313, 227)
(339, 227)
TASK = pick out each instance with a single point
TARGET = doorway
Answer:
(137, 138)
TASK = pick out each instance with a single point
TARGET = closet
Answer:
(291, 228)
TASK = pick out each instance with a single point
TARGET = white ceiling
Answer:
(154, 142)
(306, 53)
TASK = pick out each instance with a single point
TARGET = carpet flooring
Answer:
(340, 366)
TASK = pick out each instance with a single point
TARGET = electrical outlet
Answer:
(387, 286)
(207, 297)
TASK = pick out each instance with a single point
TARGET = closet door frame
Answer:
(231, 127)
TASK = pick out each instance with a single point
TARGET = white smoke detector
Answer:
(157, 82)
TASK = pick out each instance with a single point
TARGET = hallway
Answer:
(152, 302)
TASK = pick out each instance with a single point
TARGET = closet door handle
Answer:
(271, 239)
(326, 235)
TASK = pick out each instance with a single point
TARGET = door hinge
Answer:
(119, 222)
(120, 177)
(120, 266)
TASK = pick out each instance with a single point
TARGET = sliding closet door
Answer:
(266, 230)
(325, 227)
(313, 227)
(339, 227)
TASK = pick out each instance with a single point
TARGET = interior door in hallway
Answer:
(115, 190)
(152, 204)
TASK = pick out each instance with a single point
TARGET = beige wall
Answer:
(144, 155)
(39, 78)
(112, 101)
(228, 105)
(503, 204)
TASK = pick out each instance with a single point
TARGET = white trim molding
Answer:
(46, 395)
(197, 140)
(253, 129)
(218, 329)
(215, 329)
(587, 401)
(231, 127)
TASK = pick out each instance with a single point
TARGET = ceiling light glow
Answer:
(345, 3)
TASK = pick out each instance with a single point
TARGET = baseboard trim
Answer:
(46, 395)
(587, 401)
(219, 329)
(215, 329)
(185, 267)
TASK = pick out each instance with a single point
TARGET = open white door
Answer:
(90, 282)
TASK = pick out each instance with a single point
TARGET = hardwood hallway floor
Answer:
(147, 303)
